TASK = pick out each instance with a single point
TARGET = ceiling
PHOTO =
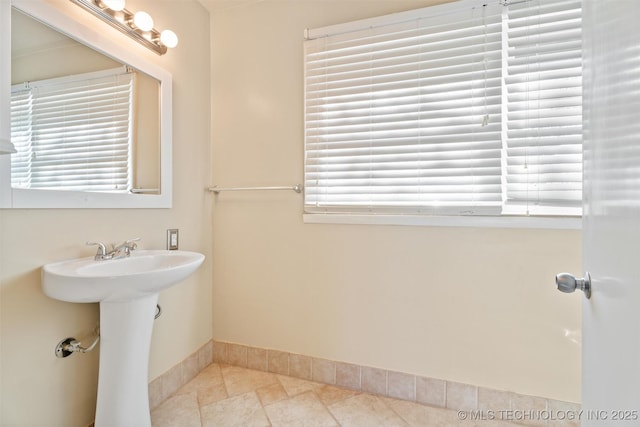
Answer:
(217, 5)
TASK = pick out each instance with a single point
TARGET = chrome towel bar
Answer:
(297, 188)
(145, 191)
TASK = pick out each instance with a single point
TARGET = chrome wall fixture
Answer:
(138, 25)
(70, 345)
(6, 147)
(215, 189)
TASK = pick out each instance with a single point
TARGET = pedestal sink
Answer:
(127, 290)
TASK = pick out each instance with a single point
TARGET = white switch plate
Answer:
(172, 239)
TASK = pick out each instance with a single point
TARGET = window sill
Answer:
(556, 223)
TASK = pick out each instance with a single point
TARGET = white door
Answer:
(611, 228)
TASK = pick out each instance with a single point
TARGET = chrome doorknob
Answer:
(569, 283)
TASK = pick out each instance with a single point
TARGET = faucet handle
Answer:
(131, 244)
(102, 250)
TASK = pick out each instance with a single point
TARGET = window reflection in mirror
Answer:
(79, 139)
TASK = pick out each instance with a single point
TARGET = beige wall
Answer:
(464, 304)
(474, 305)
(37, 389)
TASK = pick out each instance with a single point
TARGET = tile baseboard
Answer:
(524, 409)
(171, 381)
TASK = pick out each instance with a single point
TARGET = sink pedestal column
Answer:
(125, 341)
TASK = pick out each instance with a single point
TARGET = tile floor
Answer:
(224, 396)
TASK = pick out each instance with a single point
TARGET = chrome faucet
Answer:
(123, 250)
(102, 254)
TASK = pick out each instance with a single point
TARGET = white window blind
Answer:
(73, 133)
(544, 107)
(411, 116)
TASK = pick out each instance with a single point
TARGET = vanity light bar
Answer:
(123, 20)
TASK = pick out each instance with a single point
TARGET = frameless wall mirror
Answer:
(90, 120)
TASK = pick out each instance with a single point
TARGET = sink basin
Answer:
(145, 272)
(127, 290)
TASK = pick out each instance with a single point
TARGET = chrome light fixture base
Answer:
(7, 147)
(123, 20)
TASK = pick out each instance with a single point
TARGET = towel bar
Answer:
(297, 188)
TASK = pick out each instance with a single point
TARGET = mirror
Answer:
(114, 154)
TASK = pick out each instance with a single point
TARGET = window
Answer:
(73, 133)
(459, 109)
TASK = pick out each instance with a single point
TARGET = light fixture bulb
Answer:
(169, 38)
(116, 5)
(143, 20)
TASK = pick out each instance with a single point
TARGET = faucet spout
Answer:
(102, 254)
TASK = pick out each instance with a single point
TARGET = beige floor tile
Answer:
(234, 396)
(330, 394)
(211, 393)
(271, 394)
(418, 415)
(244, 410)
(177, 411)
(211, 374)
(208, 385)
(295, 386)
(365, 410)
(497, 423)
(304, 410)
(239, 381)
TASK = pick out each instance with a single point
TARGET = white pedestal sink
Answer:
(127, 290)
